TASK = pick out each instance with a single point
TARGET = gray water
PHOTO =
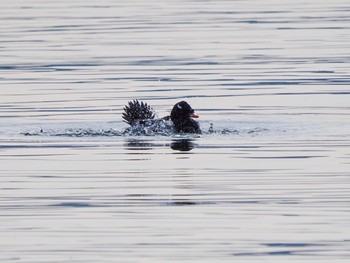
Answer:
(267, 181)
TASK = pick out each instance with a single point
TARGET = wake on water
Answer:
(163, 129)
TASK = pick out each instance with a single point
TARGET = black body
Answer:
(139, 113)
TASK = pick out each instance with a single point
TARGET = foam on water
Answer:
(71, 132)
(161, 129)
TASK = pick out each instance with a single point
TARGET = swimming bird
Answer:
(181, 117)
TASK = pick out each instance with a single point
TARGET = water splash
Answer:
(70, 132)
(151, 128)
(163, 128)
(227, 131)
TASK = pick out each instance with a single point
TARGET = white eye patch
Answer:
(179, 106)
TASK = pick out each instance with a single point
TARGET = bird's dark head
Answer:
(182, 110)
(181, 115)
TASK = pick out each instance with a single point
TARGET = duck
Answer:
(181, 118)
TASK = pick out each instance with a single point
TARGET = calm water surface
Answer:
(267, 181)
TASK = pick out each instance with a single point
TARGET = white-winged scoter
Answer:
(181, 116)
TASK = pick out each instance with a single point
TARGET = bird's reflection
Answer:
(183, 145)
(139, 145)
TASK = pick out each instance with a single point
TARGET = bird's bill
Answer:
(193, 115)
